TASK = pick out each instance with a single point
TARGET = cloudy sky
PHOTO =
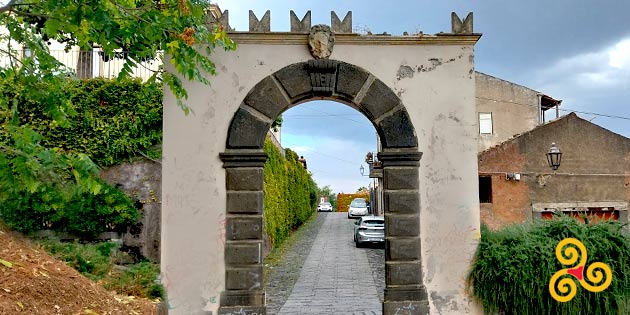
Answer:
(574, 50)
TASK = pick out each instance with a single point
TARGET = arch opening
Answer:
(244, 161)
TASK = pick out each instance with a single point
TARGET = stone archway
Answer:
(244, 160)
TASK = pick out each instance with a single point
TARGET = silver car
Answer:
(358, 207)
(369, 229)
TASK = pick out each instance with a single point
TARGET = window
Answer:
(485, 189)
(485, 123)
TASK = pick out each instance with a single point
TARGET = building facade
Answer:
(505, 109)
(516, 184)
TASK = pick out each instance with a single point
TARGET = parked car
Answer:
(369, 229)
(324, 206)
(358, 208)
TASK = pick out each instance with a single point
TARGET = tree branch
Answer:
(148, 158)
(8, 6)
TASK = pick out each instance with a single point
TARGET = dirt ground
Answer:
(33, 282)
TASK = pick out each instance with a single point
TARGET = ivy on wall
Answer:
(290, 193)
(112, 121)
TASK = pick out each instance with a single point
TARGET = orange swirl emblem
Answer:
(597, 278)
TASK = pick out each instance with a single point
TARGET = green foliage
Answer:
(137, 280)
(112, 120)
(91, 260)
(48, 183)
(513, 266)
(96, 262)
(83, 214)
(141, 29)
(41, 88)
(290, 193)
(276, 124)
(327, 191)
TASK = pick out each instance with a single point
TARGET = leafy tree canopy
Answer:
(131, 30)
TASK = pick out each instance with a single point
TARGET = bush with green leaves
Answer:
(513, 266)
(112, 121)
(290, 193)
(83, 214)
(47, 172)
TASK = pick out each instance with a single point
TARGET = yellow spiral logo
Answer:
(571, 252)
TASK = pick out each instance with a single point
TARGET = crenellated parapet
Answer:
(337, 25)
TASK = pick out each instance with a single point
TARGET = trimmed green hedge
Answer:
(513, 267)
(113, 120)
(290, 193)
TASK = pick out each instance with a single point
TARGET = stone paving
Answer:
(336, 277)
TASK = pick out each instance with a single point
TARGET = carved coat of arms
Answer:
(321, 41)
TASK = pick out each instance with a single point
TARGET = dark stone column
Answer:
(404, 290)
(244, 293)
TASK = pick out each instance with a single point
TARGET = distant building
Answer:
(516, 184)
(505, 109)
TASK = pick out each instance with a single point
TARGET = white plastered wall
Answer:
(441, 104)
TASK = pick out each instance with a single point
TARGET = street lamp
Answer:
(362, 170)
(554, 156)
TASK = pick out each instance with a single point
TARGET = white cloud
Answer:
(608, 67)
(619, 55)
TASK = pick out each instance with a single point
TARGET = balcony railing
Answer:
(91, 64)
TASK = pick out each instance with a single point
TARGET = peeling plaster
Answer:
(445, 301)
(436, 62)
(405, 72)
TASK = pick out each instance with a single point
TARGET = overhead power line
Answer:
(559, 108)
(327, 155)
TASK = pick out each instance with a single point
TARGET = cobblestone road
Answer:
(334, 278)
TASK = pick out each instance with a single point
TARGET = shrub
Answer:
(513, 267)
(95, 261)
(137, 280)
(91, 260)
(83, 214)
(48, 174)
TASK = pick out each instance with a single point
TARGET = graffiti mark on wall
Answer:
(405, 310)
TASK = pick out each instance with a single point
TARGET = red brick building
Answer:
(516, 184)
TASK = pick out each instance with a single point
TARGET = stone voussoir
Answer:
(295, 80)
(246, 131)
(397, 130)
(379, 99)
(350, 80)
(267, 98)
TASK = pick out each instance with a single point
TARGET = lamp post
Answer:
(554, 156)
(362, 170)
